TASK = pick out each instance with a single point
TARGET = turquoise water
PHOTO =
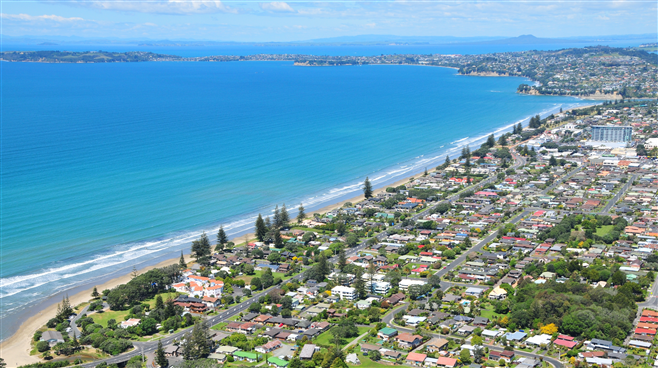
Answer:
(109, 166)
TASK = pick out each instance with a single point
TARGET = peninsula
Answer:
(601, 72)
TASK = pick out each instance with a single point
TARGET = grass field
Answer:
(247, 278)
(365, 362)
(326, 337)
(603, 230)
(102, 317)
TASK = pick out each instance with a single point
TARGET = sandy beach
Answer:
(15, 350)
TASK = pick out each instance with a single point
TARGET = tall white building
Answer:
(344, 292)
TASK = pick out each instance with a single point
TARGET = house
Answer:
(352, 359)
(436, 344)
(231, 350)
(391, 354)
(472, 291)
(307, 351)
(171, 351)
(506, 355)
(270, 346)
(130, 323)
(276, 362)
(408, 341)
(52, 337)
(498, 293)
(366, 348)
(416, 359)
(246, 356)
(211, 302)
(566, 341)
(446, 362)
(220, 358)
(539, 340)
(344, 292)
(387, 333)
(480, 321)
(515, 336)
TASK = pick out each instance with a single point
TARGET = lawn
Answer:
(326, 337)
(603, 230)
(247, 278)
(102, 317)
(489, 313)
(365, 362)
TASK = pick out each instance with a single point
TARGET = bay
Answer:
(108, 166)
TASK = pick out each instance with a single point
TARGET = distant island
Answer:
(599, 72)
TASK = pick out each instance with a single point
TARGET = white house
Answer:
(344, 292)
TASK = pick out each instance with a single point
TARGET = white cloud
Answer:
(27, 17)
(161, 6)
(277, 6)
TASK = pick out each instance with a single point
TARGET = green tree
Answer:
(274, 257)
(552, 161)
(374, 355)
(367, 188)
(491, 141)
(301, 214)
(359, 284)
(160, 358)
(277, 217)
(64, 310)
(201, 250)
(43, 346)
(278, 240)
(94, 293)
(618, 278)
(266, 278)
(502, 140)
(181, 262)
(465, 356)
(285, 217)
(342, 260)
(222, 239)
(256, 283)
(159, 303)
(261, 229)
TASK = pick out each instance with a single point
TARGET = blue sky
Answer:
(292, 21)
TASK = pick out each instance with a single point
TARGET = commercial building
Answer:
(344, 292)
(609, 133)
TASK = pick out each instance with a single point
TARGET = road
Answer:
(619, 194)
(389, 317)
(145, 347)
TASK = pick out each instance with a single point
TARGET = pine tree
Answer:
(552, 161)
(502, 140)
(447, 163)
(323, 267)
(301, 215)
(222, 239)
(519, 128)
(491, 141)
(159, 303)
(285, 217)
(261, 229)
(277, 217)
(181, 262)
(64, 310)
(342, 260)
(278, 240)
(359, 284)
(372, 270)
(367, 188)
(160, 358)
(94, 293)
(201, 249)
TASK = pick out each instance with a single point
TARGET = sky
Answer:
(255, 21)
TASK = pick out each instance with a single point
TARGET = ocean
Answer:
(110, 166)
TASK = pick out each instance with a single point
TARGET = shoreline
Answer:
(15, 349)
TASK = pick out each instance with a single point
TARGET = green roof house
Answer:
(276, 362)
(245, 355)
(386, 333)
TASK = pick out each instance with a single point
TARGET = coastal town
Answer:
(601, 72)
(537, 249)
